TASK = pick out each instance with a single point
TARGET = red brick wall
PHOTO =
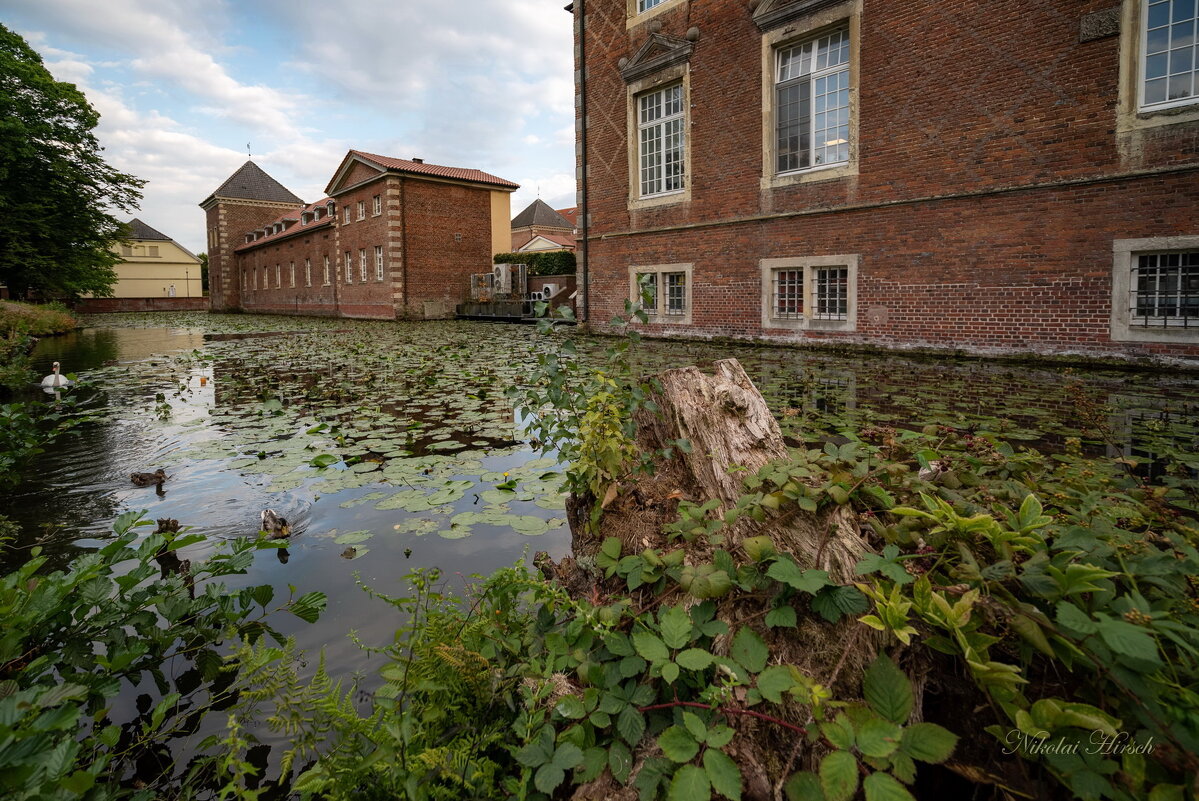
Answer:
(964, 99)
(300, 299)
(231, 220)
(103, 305)
(447, 228)
(372, 298)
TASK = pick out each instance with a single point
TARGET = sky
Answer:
(183, 87)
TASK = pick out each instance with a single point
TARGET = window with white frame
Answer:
(378, 262)
(1170, 51)
(349, 268)
(278, 276)
(812, 102)
(362, 209)
(661, 141)
(347, 212)
(1165, 290)
(307, 272)
(291, 274)
(810, 293)
(327, 276)
(362, 264)
(646, 5)
(378, 205)
(662, 291)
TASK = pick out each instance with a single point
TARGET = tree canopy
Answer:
(56, 190)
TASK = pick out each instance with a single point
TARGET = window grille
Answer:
(831, 292)
(788, 294)
(676, 292)
(1165, 290)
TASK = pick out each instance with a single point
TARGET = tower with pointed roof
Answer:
(248, 199)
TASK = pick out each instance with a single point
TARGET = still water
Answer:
(384, 443)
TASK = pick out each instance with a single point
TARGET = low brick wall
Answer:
(102, 305)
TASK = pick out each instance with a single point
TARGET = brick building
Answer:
(539, 227)
(994, 177)
(394, 238)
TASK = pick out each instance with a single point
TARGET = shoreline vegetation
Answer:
(20, 326)
(1007, 600)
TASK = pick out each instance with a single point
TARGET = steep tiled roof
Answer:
(539, 214)
(420, 168)
(570, 214)
(251, 183)
(139, 230)
(295, 215)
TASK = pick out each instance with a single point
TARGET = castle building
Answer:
(393, 238)
(992, 177)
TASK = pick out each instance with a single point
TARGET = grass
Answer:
(19, 323)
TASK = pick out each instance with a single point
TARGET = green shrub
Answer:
(555, 262)
(117, 617)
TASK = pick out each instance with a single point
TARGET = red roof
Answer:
(570, 214)
(420, 168)
(289, 231)
(558, 239)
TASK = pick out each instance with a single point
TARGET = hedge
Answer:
(554, 262)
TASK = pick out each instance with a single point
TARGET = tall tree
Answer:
(56, 190)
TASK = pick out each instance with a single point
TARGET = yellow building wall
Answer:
(501, 222)
(144, 276)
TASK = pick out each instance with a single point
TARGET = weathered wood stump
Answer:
(732, 435)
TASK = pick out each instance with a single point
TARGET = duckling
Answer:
(276, 527)
(146, 479)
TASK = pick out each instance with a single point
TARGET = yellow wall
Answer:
(501, 222)
(144, 276)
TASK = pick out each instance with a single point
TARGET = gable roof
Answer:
(250, 182)
(540, 214)
(412, 167)
(139, 230)
(551, 242)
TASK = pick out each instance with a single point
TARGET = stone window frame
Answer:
(658, 315)
(1130, 116)
(361, 209)
(307, 271)
(819, 22)
(328, 273)
(349, 267)
(346, 214)
(377, 205)
(362, 265)
(806, 321)
(634, 16)
(1122, 328)
(278, 275)
(378, 262)
(292, 275)
(664, 78)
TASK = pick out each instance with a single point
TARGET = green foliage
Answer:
(554, 262)
(28, 429)
(74, 639)
(56, 233)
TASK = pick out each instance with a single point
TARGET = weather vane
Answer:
(248, 153)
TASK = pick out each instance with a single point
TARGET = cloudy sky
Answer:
(182, 87)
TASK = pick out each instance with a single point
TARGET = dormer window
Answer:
(331, 209)
(249, 238)
(305, 218)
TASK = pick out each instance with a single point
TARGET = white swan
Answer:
(55, 379)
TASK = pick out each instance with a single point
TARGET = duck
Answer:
(276, 527)
(55, 379)
(146, 479)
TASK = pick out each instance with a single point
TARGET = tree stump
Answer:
(732, 435)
